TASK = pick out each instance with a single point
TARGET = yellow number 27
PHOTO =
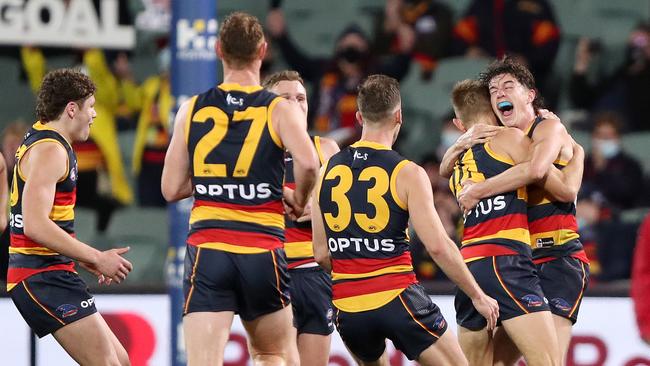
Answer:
(213, 138)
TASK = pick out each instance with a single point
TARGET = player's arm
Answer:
(414, 188)
(477, 134)
(4, 193)
(319, 239)
(290, 124)
(564, 184)
(328, 148)
(176, 183)
(47, 163)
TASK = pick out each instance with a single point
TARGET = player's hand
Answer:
(477, 134)
(489, 308)
(112, 265)
(306, 213)
(101, 279)
(468, 197)
(291, 207)
(546, 114)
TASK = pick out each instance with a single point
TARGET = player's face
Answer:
(509, 99)
(84, 118)
(292, 90)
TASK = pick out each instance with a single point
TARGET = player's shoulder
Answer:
(550, 127)
(508, 135)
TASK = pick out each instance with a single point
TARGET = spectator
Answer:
(640, 288)
(335, 80)
(102, 183)
(609, 171)
(152, 134)
(432, 22)
(625, 90)
(524, 29)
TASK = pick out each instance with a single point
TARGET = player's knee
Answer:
(269, 359)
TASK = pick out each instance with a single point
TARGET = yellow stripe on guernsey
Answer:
(231, 248)
(299, 249)
(262, 218)
(62, 213)
(392, 269)
(518, 234)
(32, 251)
(559, 236)
(366, 302)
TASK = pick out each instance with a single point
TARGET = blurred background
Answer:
(590, 58)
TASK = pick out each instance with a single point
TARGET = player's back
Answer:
(27, 257)
(497, 225)
(365, 224)
(236, 165)
(553, 225)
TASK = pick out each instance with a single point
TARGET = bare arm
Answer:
(564, 184)
(547, 143)
(290, 124)
(328, 148)
(477, 134)
(42, 166)
(442, 249)
(176, 183)
(319, 239)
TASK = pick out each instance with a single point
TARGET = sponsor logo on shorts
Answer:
(561, 304)
(67, 310)
(88, 303)
(330, 315)
(532, 300)
(440, 322)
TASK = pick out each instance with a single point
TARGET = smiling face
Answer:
(511, 101)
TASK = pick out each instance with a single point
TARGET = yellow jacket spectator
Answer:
(105, 150)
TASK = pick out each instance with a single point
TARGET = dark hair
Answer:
(610, 118)
(471, 101)
(378, 96)
(241, 35)
(509, 65)
(60, 87)
(286, 75)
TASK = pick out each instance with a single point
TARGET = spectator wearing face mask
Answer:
(335, 79)
(609, 171)
(625, 90)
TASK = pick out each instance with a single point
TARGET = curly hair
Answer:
(60, 87)
(509, 65)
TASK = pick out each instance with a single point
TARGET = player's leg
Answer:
(418, 329)
(528, 343)
(446, 351)
(311, 291)
(270, 337)
(314, 349)
(506, 353)
(564, 281)
(476, 345)
(264, 305)
(206, 335)
(210, 303)
(294, 355)
(473, 336)
(88, 341)
(563, 328)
